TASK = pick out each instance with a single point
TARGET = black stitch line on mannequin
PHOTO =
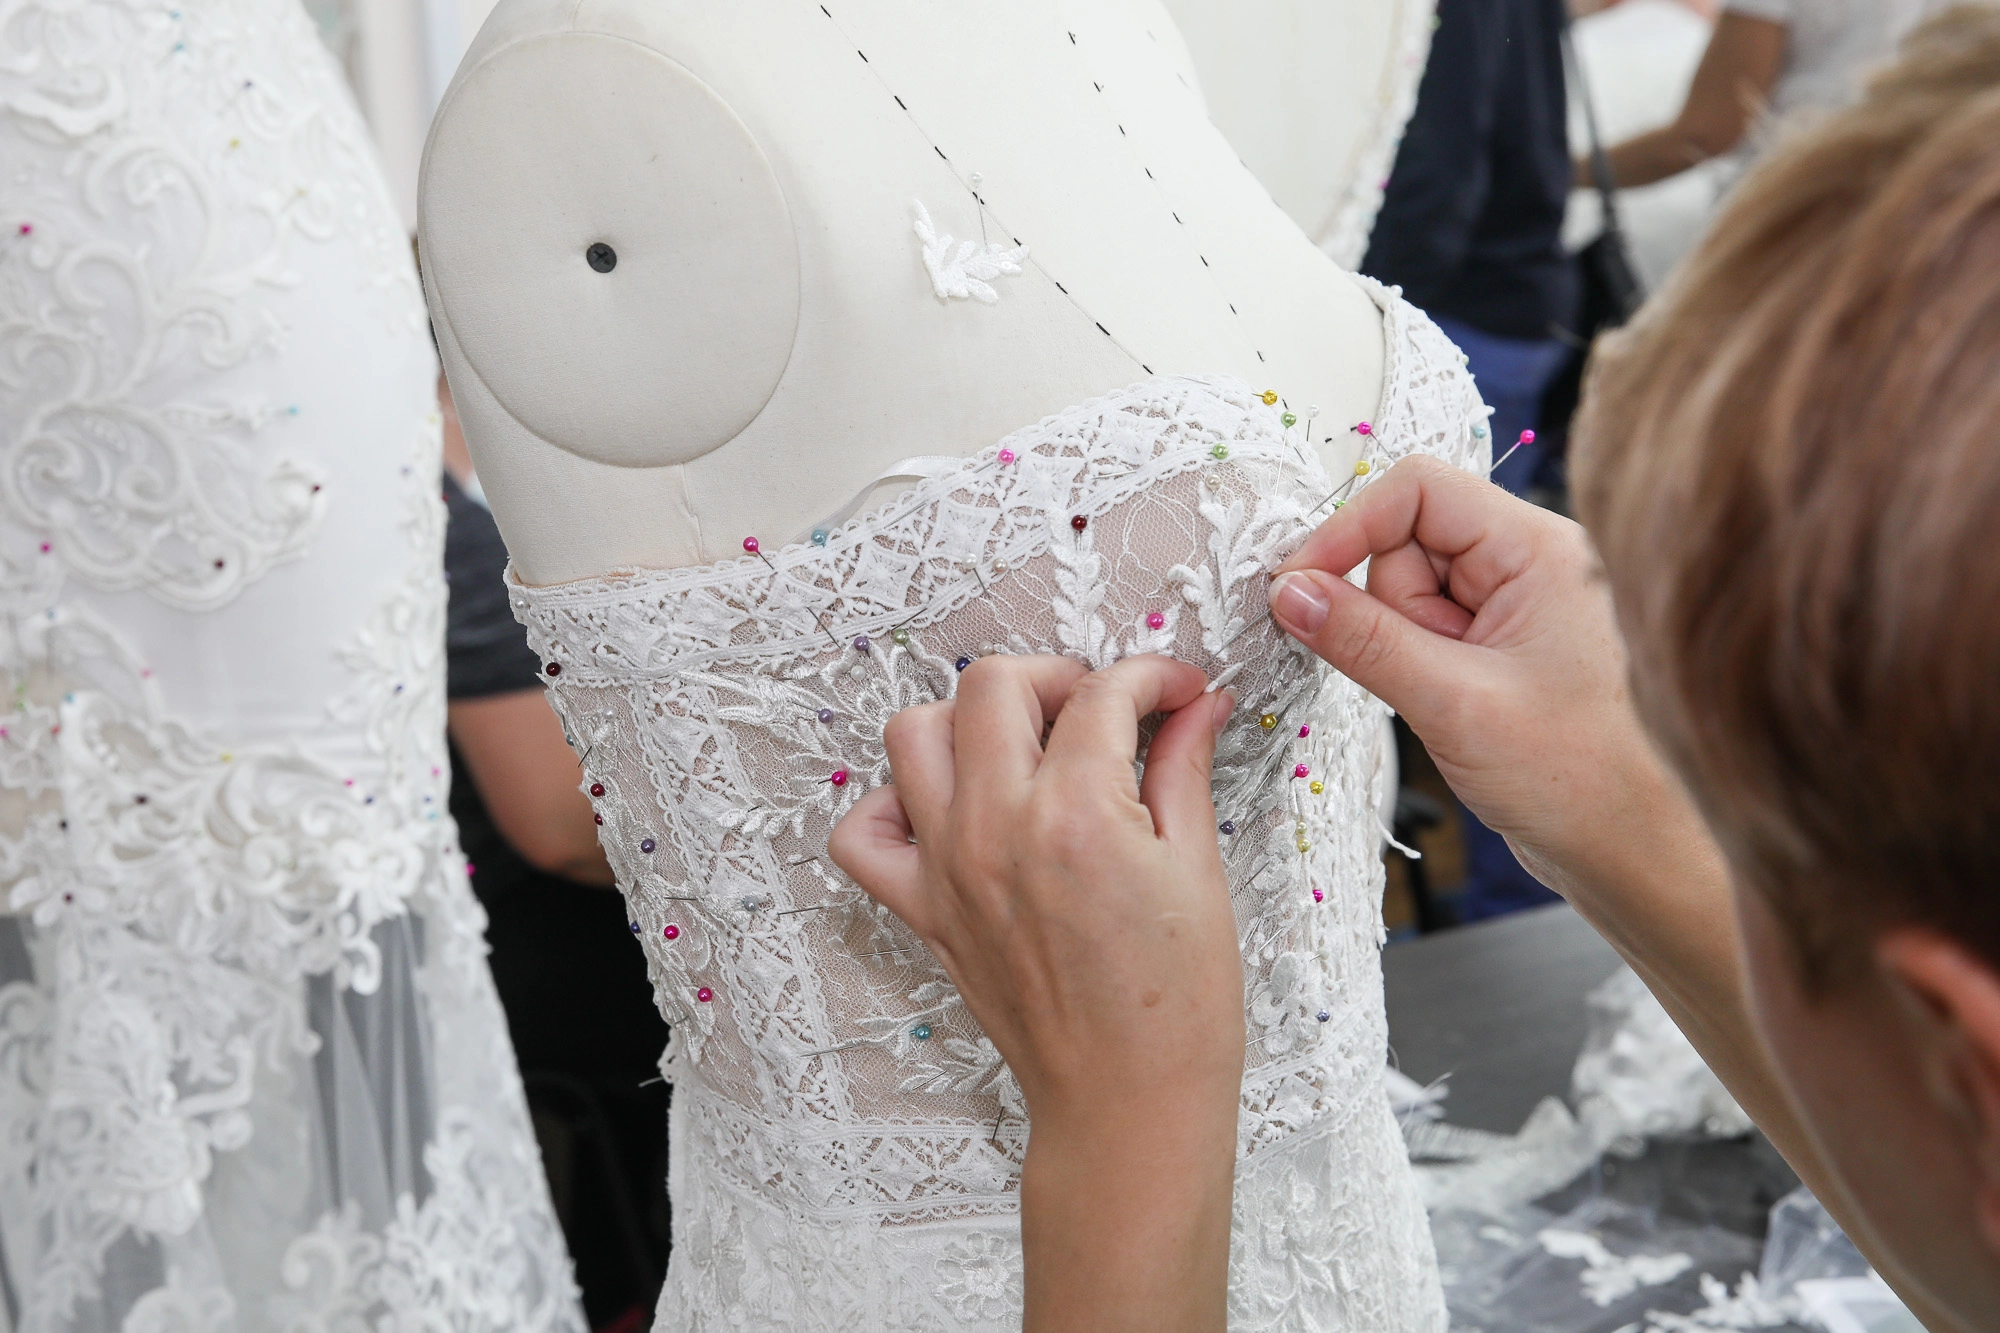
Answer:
(1032, 261)
(1177, 217)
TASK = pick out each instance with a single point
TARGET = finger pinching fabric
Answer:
(846, 1142)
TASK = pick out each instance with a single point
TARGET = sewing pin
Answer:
(1527, 437)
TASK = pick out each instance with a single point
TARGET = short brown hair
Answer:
(1790, 462)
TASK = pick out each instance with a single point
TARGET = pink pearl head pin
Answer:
(1527, 437)
(704, 995)
(1006, 457)
(1305, 731)
(750, 545)
(1319, 895)
(1154, 620)
(1363, 428)
(672, 932)
(838, 778)
(1301, 771)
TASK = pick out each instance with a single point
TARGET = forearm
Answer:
(1646, 158)
(1125, 1222)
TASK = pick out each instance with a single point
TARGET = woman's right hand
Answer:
(1487, 625)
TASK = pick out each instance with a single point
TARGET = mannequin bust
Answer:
(1314, 97)
(703, 272)
(673, 267)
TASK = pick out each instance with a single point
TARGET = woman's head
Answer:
(1790, 463)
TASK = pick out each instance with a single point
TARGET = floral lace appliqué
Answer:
(964, 270)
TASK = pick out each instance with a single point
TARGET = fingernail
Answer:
(1299, 604)
(1224, 706)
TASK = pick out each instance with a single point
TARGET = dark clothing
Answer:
(1471, 223)
(571, 977)
(485, 650)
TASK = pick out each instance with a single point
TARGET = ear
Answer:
(1950, 1002)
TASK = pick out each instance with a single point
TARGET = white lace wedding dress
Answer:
(845, 1143)
(253, 1074)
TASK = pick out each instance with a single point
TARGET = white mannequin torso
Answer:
(768, 341)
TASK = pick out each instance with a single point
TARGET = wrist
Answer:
(1125, 1218)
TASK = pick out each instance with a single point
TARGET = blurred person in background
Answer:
(1471, 220)
(1635, 60)
(1766, 59)
(573, 983)
(1471, 230)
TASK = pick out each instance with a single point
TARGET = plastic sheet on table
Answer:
(1601, 1268)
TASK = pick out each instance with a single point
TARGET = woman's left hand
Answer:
(1085, 918)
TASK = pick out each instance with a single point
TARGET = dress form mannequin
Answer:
(1315, 98)
(768, 341)
(1123, 417)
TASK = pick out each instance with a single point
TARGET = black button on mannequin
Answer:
(601, 257)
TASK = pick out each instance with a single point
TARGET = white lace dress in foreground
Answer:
(845, 1143)
(253, 1074)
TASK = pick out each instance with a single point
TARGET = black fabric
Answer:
(1471, 223)
(571, 977)
(485, 650)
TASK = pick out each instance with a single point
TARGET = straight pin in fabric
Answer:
(882, 953)
(823, 907)
(975, 180)
(1527, 437)
(754, 547)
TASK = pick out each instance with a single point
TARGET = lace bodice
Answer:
(846, 1141)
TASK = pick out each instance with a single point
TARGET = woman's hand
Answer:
(1486, 625)
(1085, 919)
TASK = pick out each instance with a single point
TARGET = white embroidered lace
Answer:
(253, 1074)
(845, 1142)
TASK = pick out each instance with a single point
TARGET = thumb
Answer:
(1176, 785)
(872, 844)
(1408, 667)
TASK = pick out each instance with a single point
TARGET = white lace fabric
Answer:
(253, 1073)
(845, 1141)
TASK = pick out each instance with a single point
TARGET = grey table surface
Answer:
(1498, 1006)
